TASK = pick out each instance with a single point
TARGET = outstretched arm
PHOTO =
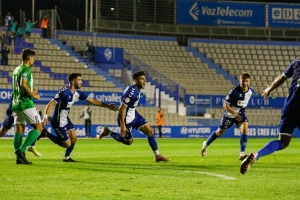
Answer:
(276, 83)
(101, 104)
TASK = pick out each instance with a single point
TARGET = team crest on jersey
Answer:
(127, 100)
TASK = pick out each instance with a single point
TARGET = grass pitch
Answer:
(109, 170)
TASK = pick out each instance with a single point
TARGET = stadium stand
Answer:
(178, 63)
(50, 73)
(166, 57)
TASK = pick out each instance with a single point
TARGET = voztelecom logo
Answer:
(194, 11)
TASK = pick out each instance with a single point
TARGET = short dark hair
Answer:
(137, 74)
(245, 75)
(26, 53)
(72, 76)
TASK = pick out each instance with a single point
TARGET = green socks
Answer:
(18, 142)
(30, 138)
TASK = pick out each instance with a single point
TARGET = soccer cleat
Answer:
(21, 154)
(20, 162)
(34, 151)
(41, 135)
(159, 158)
(247, 162)
(104, 132)
(69, 160)
(204, 149)
(242, 157)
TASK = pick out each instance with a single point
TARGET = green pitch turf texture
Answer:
(109, 170)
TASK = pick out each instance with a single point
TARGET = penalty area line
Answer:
(212, 174)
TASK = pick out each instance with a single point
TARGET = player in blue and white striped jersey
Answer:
(234, 104)
(60, 121)
(129, 118)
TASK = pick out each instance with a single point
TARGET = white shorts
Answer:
(29, 116)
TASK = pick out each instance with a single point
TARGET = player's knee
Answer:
(73, 140)
(66, 145)
(128, 142)
(150, 132)
(220, 133)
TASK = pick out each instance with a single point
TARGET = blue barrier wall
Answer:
(217, 101)
(181, 131)
(47, 95)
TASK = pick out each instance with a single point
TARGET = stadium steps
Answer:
(107, 76)
(212, 65)
(79, 58)
(68, 50)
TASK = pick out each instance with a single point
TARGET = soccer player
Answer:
(22, 104)
(6, 126)
(60, 121)
(234, 104)
(8, 121)
(129, 118)
(290, 118)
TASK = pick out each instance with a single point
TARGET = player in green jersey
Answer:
(23, 106)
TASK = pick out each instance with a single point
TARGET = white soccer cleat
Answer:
(204, 149)
(34, 151)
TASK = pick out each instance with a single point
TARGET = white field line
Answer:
(212, 174)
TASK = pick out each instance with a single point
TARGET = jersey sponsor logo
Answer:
(131, 92)
(24, 75)
(242, 103)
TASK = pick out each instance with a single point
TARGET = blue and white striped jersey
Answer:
(64, 100)
(130, 98)
(238, 100)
